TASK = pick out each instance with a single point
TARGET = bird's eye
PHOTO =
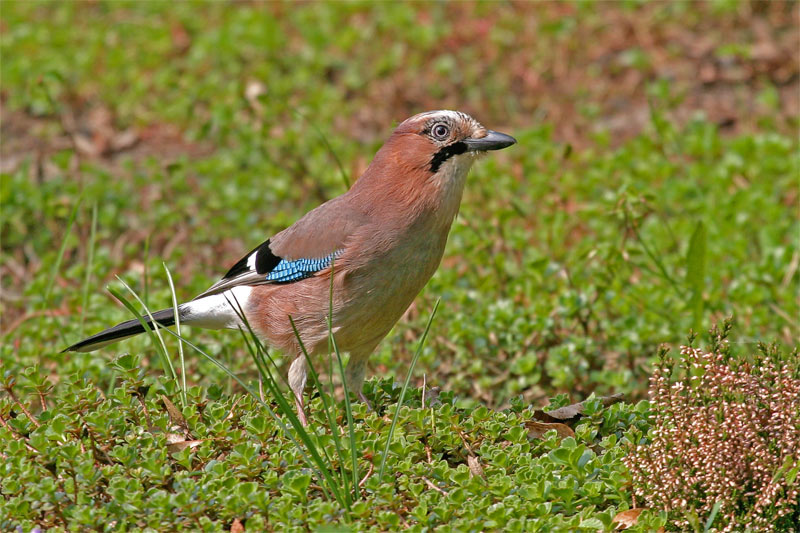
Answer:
(440, 131)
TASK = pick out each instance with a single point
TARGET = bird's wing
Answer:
(298, 252)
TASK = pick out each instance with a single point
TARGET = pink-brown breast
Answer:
(371, 291)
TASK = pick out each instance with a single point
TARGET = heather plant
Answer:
(724, 447)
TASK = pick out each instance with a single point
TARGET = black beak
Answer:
(494, 140)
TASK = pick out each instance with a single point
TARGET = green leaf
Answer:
(591, 523)
(297, 481)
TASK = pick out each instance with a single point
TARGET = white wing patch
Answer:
(218, 311)
(251, 261)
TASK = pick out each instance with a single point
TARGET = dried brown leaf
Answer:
(175, 415)
(174, 438)
(237, 526)
(571, 413)
(182, 445)
(626, 519)
(475, 467)
(536, 430)
(431, 396)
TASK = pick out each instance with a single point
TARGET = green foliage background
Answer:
(572, 259)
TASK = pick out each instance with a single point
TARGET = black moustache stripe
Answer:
(446, 153)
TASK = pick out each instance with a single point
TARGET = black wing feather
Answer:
(242, 274)
(265, 261)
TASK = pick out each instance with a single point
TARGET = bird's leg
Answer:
(354, 375)
(297, 382)
(301, 412)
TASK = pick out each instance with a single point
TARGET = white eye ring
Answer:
(440, 131)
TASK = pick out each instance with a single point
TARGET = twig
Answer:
(434, 487)
(230, 413)
(17, 435)
(144, 409)
(791, 270)
(24, 410)
(466, 444)
(42, 400)
(369, 473)
(783, 314)
(5, 424)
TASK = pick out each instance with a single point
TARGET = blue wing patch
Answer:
(294, 270)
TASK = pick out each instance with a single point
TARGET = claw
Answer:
(301, 413)
(364, 399)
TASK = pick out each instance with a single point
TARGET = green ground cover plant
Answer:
(97, 460)
(654, 190)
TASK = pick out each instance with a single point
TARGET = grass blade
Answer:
(324, 468)
(349, 412)
(154, 332)
(662, 270)
(347, 405)
(712, 516)
(312, 459)
(695, 273)
(327, 405)
(57, 265)
(178, 330)
(145, 275)
(405, 387)
(89, 263)
(328, 146)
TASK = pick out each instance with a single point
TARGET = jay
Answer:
(381, 241)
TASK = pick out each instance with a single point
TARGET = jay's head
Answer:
(443, 140)
(427, 159)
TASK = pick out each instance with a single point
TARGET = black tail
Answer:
(165, 317)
